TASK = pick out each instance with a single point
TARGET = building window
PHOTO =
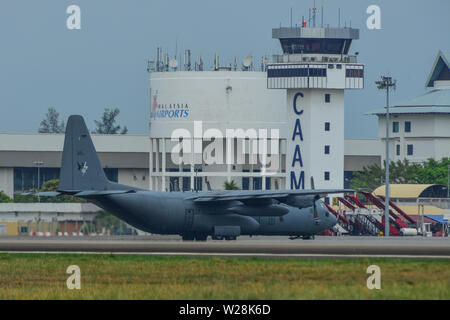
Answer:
(348, 176)
(327, 98)
(410, 149)
(398, 149)
(25, 178)
(327, 176)
(395, 126)
(407, 126)
(327, 149)
(327, 126)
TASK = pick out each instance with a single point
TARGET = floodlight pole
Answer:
(386, 83)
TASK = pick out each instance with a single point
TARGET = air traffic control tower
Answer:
(315, 69)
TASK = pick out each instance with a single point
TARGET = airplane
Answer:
(193, 215)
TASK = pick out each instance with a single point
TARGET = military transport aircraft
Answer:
(193, 215)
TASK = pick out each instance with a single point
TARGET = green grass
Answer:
(43, 276)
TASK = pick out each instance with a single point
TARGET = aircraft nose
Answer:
(333, 220)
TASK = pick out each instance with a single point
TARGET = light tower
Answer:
(315, 69)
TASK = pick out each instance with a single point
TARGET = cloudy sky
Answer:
(43, 64)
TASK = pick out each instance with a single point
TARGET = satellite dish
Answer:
(173, 63)
(247, 62)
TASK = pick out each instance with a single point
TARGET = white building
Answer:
(420, 127)
(217, 101)
(315, 68)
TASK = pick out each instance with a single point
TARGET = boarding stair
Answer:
(365, 224)
(400, 211)
(393, 218)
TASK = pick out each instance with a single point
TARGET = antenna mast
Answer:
(314, 14)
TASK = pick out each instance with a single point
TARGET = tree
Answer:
(230, 185)
(107, 125)
(50, 185)
(51, 123)
(429, 172)
(435, 172)
(368, 179)
(4, 198)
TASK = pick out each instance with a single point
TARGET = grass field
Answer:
(43, 276)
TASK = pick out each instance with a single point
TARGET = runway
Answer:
(274, 247)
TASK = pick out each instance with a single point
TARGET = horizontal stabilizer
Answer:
(42, 194)
(48, 194)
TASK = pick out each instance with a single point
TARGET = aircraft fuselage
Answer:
(171, 213)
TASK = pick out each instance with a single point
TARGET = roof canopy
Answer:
(413, 191)
(436, 101)
(440, 69)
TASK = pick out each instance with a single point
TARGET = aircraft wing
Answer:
(89, 193)
(94, 193)
(262, 195)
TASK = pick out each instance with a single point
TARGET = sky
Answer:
(103, 65)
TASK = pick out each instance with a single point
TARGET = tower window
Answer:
(327, 98)
(327, 176)
(407, 126)
(410, 150)
(327, 126)
(327, 149)
(395, 126)
(397, 149)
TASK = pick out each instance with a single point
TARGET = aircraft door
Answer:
(188, 219)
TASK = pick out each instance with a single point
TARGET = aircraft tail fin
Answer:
(81, 169)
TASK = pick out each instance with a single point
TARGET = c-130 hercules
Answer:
(193, 215)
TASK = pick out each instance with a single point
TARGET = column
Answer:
(150, 166)
(157, 165)
(192, 164)
(163, 178)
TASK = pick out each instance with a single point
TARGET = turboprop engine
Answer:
(301, 202)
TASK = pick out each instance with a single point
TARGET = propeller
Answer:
(316, 213)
